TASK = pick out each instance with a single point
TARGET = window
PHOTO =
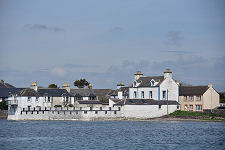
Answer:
(198, 98)
(114, 112)
(134, 83)
(152, 82)
(85, 112)
(135, 94)
(164, 94)
(191, 98)
(29, 99)
(49, 99)
(191, 107)
(67, 99)
(105, 112)
(36, 98)
(160, 106)
(198, 107)
(142, 94)
(185, 98)
(185, 107)
(150, 94)
(96, 112)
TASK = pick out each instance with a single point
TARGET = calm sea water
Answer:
(111, 135)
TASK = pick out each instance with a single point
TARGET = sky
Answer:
(107, 41)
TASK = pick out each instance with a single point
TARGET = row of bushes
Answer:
(70, 105)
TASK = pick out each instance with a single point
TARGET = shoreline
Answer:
(164, 118)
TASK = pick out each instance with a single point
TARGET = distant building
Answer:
(122, 92)
(198, 98)
(6, 89)
(6, 85)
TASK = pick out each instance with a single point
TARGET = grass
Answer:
(196, 115)
(191, 113)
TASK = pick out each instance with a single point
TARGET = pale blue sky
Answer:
(106, 41)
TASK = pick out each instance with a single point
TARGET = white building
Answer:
(154, 87)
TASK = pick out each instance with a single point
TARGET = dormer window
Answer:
(152, 83)
(135, 83)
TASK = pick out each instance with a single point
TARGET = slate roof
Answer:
(89, 102)
(53, 92)
(145, 81)
(102, 92)
(28, 92)
(5, 92)
(192, 90)
(146, 102)
(82, 92)
(115, 100)
(124, 89)
(6, 85)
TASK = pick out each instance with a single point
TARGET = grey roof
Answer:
(6, 85)
(89, 102)
(5, 92)
(82, 92)
(115, 100)
(53, 92)
(145, 81)
(192, 90)
(102, 92)
(125, 91)
(28, 92)
(146, 102)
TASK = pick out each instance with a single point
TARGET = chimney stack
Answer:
(2, 81)
(167, 74)
(90, 86)
(121, 84)
(210, 85)
(34, 86)
(137, 75)
(66, 86)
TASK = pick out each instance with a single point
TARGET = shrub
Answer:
(58, 106)
(70, 105)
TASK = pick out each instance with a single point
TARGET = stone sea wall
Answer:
(91, 113)
(66, 113)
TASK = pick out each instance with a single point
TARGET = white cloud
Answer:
(58, 72)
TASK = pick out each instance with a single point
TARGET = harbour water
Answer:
(26, 135)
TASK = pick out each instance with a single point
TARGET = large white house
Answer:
(154, 87)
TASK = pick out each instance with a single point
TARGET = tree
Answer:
(81, 83)
(52, 86)
(3, 105)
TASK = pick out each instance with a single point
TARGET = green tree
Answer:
(3, 105)
(81, 83)
(52, 86)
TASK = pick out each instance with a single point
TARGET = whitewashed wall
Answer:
(173, 89)
(146, 111)
(126, 111)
